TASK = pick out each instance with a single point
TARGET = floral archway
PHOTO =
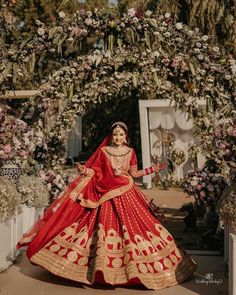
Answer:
(101, 56)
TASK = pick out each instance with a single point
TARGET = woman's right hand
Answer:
(80, 167)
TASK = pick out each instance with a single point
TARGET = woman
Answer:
(100, 229)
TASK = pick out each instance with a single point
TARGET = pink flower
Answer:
(222, 146)
(7, 148)
(199, 187)
(217, 133)
(131, 12)
(23, 153)
(202, 194)
(166, 61)
(210, 187)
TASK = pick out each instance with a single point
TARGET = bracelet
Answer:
(84, 171)
(149, 170)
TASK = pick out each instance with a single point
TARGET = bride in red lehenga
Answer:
(101, 230)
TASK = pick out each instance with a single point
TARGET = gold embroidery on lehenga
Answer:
(120, 259)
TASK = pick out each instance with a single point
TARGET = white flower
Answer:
(148, 13)
(62, 14)
(205, 38)
(179, 26)
(167, 15)
(190, 33)
(216, 49)
(38, 22)
(227, 77)
(89, 13)
(200, 57)
(88, 21)
(41, 31)
(156, 53)
(131, 12)
(167, 34)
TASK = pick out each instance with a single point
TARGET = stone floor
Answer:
(23, 278)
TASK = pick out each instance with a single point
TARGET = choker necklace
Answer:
(116, 152)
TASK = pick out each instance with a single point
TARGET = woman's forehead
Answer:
(118, 131)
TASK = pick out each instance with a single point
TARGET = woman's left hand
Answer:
(160, 166)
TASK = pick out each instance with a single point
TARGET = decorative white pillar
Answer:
(10, 232)
(232, 262)
(165, 109)
(28, 217)
(145, 142)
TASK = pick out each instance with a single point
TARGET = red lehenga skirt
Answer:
(118, 243)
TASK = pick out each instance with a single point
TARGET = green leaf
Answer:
(111, 42)
(135, 82)
(14, 70)
(51, 32)
(132, 35)
(32, 62)
(64, 88)
(63, 3)
(147, 39)
(192, 69)
(59, 48)
(98, 60)
(119, 42)
(152, 21)
(156, 79)
(71, 91)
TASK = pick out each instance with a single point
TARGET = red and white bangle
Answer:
(149, 170)
(84, 171)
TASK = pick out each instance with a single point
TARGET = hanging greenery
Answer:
(104, 56)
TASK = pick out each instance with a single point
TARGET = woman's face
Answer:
(118, 136)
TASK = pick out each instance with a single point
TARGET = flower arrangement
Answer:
(34, 192)
(224, 140)
(10, 199)
(16, 138)
(124, 54)
(178, 156)
(54, 182)
(205, 186)
(193, 152)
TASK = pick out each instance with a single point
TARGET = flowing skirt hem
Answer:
(125, 276)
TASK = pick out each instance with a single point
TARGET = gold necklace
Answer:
(116, 154)
(117, 160)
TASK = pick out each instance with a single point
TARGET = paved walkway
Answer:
(23, 278)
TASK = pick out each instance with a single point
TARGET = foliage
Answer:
(212, 17)
(205, 186)
(218, 138)
(107, 57)
(33, 191)
(10, 199)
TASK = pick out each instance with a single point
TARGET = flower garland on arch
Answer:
(145, 52)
